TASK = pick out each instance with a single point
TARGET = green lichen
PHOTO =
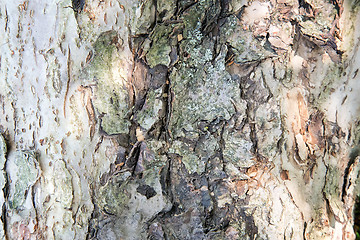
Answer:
(238, 149)
(202, 93)
(114, 196)
(203, 12)
(198, 54)
(143, 16)
(166, 8)
(244, 46)
(325, 15)
(160, 49)
(111, 98)
(25, 177)
(151, 178)
(120, 195)
(149, 114)
(192, 26)
(332, 191)
(313, 29)
(354, 5)
(189, 158)
(332, 182)
(330, 82)
(195, 156)
(158, 158)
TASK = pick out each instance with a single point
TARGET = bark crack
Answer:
(6, 192)
(68, 79)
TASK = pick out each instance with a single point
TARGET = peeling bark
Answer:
(181, 119)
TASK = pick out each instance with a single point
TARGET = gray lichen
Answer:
(63, 184)
(26, 175)
(115, 195)
(237, 149)
(244, 45)
(205, 93)
(134, 202)
(150, 112)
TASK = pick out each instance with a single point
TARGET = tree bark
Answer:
(179, 119)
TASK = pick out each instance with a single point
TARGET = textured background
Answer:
(179, 119)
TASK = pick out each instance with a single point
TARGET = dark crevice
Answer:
(249, 113)
(4, 220)
(184, 7)
(146, 191)
(330, 214)
(325, 42)
(304, 4)
(6, 191)
(212, 18)
(240, 12)
(357, 218)
(304, 231)
(338, 6)
(266, 86)
(78, 5)
(37, 215)
(250, 226)
(224, 4)
(92, 229)
(165, 180)
(222, 147)
(208, 219)
(168, 108)
(355, 152)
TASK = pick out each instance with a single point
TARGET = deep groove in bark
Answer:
(353, 155)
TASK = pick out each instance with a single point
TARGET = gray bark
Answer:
(179, 119)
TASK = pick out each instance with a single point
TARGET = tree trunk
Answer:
(179, 119)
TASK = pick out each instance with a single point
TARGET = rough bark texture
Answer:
(179, 119)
